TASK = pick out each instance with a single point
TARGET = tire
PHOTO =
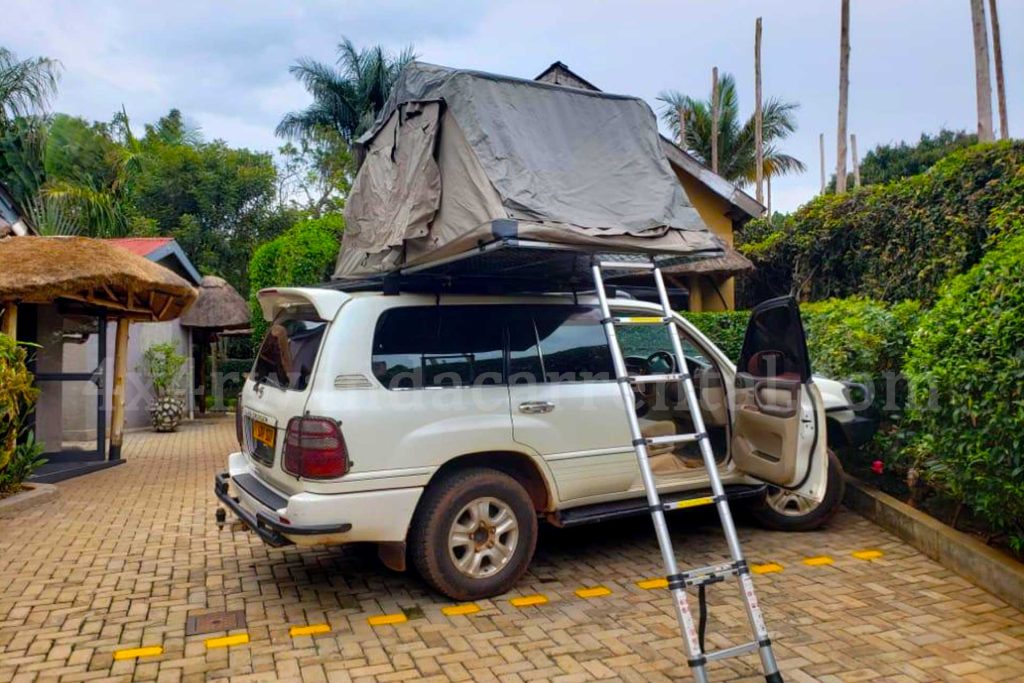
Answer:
(767, 510)
(474, 534)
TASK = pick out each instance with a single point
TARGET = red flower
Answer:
(877, 467)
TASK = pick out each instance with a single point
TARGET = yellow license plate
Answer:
(263, 433)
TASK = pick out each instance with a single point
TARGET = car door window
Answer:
(439, 346)
(565, 344)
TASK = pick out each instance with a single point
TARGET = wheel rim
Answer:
(789, 503)
(483, 537)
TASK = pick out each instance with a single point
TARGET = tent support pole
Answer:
(117, 393)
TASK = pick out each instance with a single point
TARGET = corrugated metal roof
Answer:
(141, 246)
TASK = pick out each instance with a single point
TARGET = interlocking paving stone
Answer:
(124, 556)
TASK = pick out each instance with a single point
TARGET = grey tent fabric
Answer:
(455, 150)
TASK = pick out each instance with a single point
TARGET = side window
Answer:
(439, 346)
(572, 344)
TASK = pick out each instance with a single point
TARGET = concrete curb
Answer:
(37, 494)
(967, 556)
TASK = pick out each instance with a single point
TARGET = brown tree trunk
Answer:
(982, 80)
(997, 56)
(844, 94)
(682, 126)
(758, 115)
(117, 393)
(856, 161)
(821, 147)
(714, 119)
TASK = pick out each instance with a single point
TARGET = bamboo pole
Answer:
(856, 161)
(758, 114)
(982, 80)
(681, 113)
(821, 146)
(118, 390)
(844, 95)
(10, 321)
(714, 119)
(997, 56)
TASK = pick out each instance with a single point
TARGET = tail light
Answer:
(238, 423)
(314, 448)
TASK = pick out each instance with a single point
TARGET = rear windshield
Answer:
(288, 351)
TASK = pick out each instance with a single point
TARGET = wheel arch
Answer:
(520, 466)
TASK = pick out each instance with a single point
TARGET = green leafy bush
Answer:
(303, 255)
(27, 458)
(17, 396)
(163, 364)
(725, 328)
(891, 242)
(966, 371)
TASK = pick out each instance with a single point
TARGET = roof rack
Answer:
(508, 265)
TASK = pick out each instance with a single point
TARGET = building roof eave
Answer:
(747, 206)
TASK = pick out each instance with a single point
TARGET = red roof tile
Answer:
(141, 246)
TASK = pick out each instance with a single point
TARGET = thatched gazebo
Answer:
(90, 278)
(218, 308)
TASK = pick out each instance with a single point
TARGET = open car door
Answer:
(775, 427)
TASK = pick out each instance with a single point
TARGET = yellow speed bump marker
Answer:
(868, 554)
(651, 584)
(529, 601)
(227, 641)
(818, 561)
(136, 652)
(595, 592)
(387, 619)
(311, 630)
(766, 568)
(461, 610)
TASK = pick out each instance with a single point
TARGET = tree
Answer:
(26, 86)
(315, 175)
(997, 54)
(346, 97)
(886, 163)
(844, 95)
(737, 155)
(982, 80)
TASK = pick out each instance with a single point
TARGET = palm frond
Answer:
(26, 86)
(51, 218)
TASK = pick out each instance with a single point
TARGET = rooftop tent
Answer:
(461, 158)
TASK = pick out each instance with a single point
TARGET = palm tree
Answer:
(346, 97)
(737, 155)
(26, 85)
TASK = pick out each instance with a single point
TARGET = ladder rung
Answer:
(652, 379)
(734, 651)
(671, 438)
(631, 265)
(693, 576)
(690, 503)
(641, 320)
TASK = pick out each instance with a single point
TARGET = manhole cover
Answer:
(214, 621)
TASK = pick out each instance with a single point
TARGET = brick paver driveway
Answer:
(125, 556)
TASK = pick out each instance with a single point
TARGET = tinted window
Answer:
(566, 344)
(289, 350)
(774, 345)
(439, 346)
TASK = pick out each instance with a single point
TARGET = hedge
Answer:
(303, 255)
(891, 242)
(854, 338)
(965, 366)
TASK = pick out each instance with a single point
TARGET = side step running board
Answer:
(619, 509)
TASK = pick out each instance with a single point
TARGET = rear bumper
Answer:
(270, 530)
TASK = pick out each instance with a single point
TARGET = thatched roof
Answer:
(731, 263)
(219, 306)
(93, 273)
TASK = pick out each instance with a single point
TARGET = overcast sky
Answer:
(224, 63)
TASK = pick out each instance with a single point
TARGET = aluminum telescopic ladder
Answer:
(678, 581)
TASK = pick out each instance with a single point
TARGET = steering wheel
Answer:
(664, 357)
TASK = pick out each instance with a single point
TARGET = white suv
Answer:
(443, 427)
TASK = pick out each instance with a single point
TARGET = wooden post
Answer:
(216, 386)
(191, 377)
(821, 145)
(117, 391)
(856, 161)
(982, 81)
(758, 114)
(714, 119)
(696, 296)
(997, 55)
(10, 322)
(844, 94)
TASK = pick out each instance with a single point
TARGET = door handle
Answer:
(536, 407)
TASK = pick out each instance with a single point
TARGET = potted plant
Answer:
(163, 364)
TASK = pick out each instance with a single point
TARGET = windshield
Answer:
(286, 356)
